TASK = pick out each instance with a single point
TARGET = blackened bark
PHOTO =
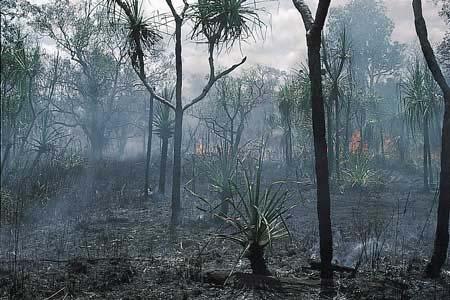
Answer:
(178, 130)
(313, 36)
(163, 165)
(337, 149)
(426, 141)
(329, 130)
(176, 181)
(149, 148)
(430, 169)
(225, 196)
(347, 129)
(439, 256)
(255, 255)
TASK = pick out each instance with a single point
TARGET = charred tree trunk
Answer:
(178, 130)
(163, 165)
(347, 128)
(383, 154)
(225, 196)
(430, 168)
(255, 255)
(439, 256)
(149, 148)
(426, 141)
(329, 130)
(314, 29)
(337, 128)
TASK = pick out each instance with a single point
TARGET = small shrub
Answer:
(359, 172)
(258, 219)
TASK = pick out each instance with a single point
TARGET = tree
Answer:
(421, 105)
(335, 56)
(215, 22)
(294, 108)
(444, 47)
(439, 256)
(20, 65)
(374, 54)
(286, 107)
(314, 27)
(232, 101)
(93, 73)
(163, 123)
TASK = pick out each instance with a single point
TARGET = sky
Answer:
(284, 44)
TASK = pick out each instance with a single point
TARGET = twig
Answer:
(55, 294)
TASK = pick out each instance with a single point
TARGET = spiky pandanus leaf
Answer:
(421, 98)
(163, 119)
(141, 31)
(225, 21)
(259, 215)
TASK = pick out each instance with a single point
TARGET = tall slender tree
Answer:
(421, 105)
(335, 56)
(163, 123)
(433, 269)
(314, 27)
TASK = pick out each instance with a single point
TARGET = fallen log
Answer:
(315, 265)
(247, 280)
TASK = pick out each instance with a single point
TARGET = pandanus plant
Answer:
(258, 220)
(222, 172)
(421, 102)
(164, 122)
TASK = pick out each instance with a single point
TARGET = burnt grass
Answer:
(118, 246)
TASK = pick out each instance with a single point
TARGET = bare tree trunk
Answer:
(383, 155)
(5, 157)
(149, 148)
(314, 29)
(329, 130)
(426, 141)
(439, 256)
(178, 130)
(337, 127)
(163, 166)
(176, 181)
(430, 169)
(347, 128)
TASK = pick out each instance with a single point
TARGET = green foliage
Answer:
(259, 215)
(224, 21)
(421, 99)
(359, 172)
(163, 120)
(19, 65)
(221, 170)
(294, 98)
(141, 32)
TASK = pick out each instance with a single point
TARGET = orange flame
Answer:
(355, 143)
(200, 149)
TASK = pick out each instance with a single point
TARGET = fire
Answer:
(355, 143)
(200, 149)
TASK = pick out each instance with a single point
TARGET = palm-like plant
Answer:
(358, 172)
(222, 171)
(293, 106)
(259, 219)
(224, 21)
(286, 105)
(140, 31)
(421, 106)
(164, 123)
